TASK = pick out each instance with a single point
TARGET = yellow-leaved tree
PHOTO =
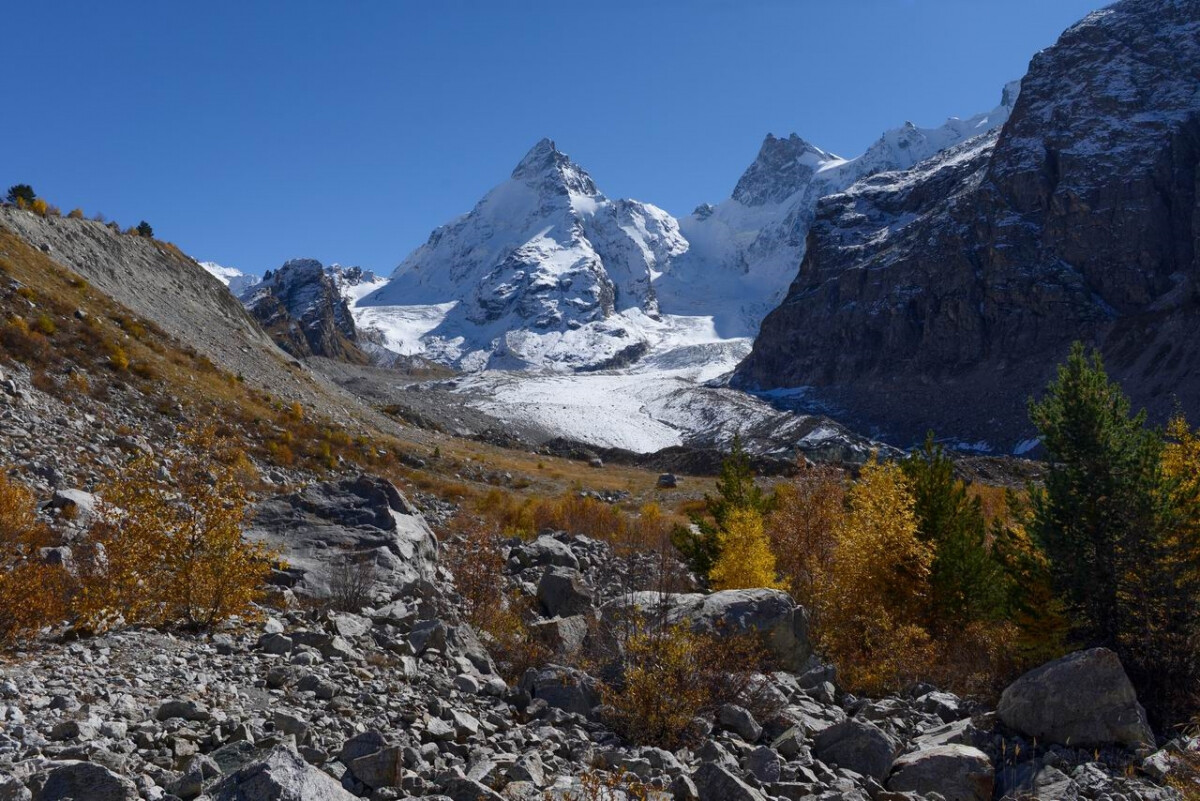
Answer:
(32, 592)
(872, 600)
(746, 560)
(168, 545)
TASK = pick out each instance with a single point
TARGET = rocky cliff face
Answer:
(943, 296)
(303, 309)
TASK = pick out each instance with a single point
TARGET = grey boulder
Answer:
(563, 593)
(564, 688)
(82, 781)
(1083, 699)
(955, 772)
(715, 783)
(282, 776)
(545, 551)
(363, 520)
(770, 613)
(858, 746)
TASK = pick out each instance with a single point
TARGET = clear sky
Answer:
(252, 132)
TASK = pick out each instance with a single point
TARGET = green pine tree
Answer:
(22, 192)
(1121, 533)
(966, 579)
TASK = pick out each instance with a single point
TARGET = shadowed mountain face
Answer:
(943, 296)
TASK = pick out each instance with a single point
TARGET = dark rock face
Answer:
(303, 311)
(945, 295)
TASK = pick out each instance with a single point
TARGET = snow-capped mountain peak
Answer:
(237, 281)
(746, 250)
(545, 270)
(545, 166)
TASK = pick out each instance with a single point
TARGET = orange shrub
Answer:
(670, 675)
(32, 593)
(803, 528)
(117, 358)
(473, 552)
(172, 541)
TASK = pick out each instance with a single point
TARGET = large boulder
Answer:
(562, 592)
(858, 746)
(715, 783)
(360, 523)
(545, 551)
(76, 781)
(772, 613)
(282, 776)
(1083, 699)
(955, 772)
(565, 688)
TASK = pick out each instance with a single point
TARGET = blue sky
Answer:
(252, 132)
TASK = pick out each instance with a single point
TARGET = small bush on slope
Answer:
(670, 675)
(32, 593)
(474, 554)
(170, 547)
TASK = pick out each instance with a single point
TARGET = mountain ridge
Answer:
(945, 297)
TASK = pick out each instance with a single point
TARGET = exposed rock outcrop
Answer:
(301, 306)
(362, 523)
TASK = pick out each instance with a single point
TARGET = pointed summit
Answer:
(782, 167)
(546, 165)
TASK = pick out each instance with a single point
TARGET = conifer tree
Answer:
(1101, 498)
(1119, 519)
(21, 193)
(735, 486)
(700, 544)
(966, 580)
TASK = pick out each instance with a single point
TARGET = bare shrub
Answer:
(351, 582)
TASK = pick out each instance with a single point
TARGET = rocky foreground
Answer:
(403, 699)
